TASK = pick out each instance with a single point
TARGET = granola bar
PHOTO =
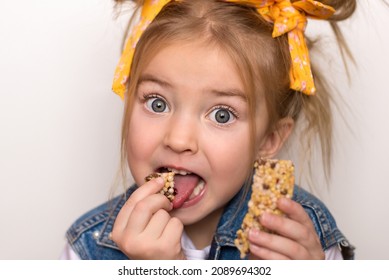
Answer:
(272, 179)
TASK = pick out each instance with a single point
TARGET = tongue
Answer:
(184, 186)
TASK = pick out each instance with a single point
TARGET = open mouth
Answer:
(188, 186)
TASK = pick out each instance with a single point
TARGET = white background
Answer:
(60, 123)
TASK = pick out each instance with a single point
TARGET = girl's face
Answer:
(190, 114)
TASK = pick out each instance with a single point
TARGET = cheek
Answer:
(133, 151)
(140, 136)
(134, 146)
(232, 158)
(139, 146)
(239, 164)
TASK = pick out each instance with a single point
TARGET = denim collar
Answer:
(232, 218)
(103, 218)
(105, 237)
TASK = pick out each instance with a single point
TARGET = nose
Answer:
(182, 135)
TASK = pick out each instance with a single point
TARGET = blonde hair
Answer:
(263, 62)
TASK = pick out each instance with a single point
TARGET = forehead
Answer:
(197, 63)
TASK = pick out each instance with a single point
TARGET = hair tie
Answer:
(291, 18)
(287, 17)
(150, 10)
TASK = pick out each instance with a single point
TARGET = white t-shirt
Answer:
(191, 253)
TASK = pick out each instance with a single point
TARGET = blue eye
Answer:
(222, 115)
(157, 105)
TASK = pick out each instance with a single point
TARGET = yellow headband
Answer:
(150, 10)
(287, 17)
(291, 18)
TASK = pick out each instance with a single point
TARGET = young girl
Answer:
(209, 87)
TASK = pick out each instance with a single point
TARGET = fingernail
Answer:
(265, 217)
(284, 202)
(159, 180)
(253, 232)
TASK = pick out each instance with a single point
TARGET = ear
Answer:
(273, 142)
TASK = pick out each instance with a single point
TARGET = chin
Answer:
(186, 217)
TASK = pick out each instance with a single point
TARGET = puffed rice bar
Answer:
(272, 179)
(168, 189)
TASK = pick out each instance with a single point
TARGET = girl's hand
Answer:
(295, 236)
(144, 229)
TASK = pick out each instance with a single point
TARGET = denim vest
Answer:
(90, 235)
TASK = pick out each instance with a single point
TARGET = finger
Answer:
(172, 233)
(297, 225)
(144, 210)
(294, 211)
(142, 192)
(274, 246)
(289, 228)
(262, 253)
(157, 224)
(151, 187)
(298, 238)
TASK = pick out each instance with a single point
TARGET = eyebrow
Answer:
(222, 93)
(150, 78)
(230, 92)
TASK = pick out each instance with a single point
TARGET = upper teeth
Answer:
(180, 172)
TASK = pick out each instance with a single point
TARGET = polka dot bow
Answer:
(290, 18)
(150, 10)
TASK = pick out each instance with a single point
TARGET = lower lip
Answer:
(196, 199)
